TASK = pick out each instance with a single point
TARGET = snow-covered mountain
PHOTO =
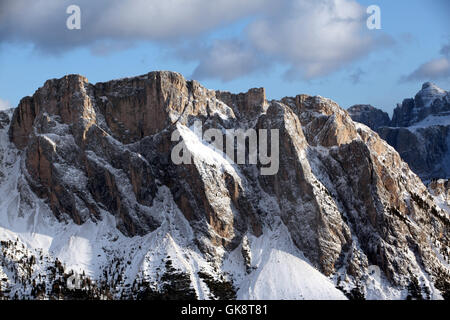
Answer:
(92, 206)
(430, 101)
(419, 130)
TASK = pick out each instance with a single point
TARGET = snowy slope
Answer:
(279, 270)
(431, 120)
(92, 247)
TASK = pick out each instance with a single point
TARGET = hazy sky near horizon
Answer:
(289, 47)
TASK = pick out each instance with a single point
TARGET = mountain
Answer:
(93, 204)
(419, 130)
(429, 103)
(369, 115)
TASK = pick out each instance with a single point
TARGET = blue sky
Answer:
(296, 47)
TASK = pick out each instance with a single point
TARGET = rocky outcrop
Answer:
(325, 122)
(369, 115)
(345, 197)
(426, 150)
(4, 120)
(440, 188)
(419, 130)
(248, 104)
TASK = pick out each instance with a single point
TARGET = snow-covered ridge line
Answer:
(93, 184)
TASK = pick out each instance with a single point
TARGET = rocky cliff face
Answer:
(372, 117)
(419, 130)
(95, 160)
(426, 150)
(441, 190)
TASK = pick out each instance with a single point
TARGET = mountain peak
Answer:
(429, 93)
(431, 87)
(428, 85)
(369, 115)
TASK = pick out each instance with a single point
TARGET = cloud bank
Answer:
(44, 22)
(310, 39)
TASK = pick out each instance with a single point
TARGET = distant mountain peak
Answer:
(431, 85)
(419, 130)
(429, 93)
(369, 115)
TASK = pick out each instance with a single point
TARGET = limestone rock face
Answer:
(248, 104)
(342, 195)
(326, 123)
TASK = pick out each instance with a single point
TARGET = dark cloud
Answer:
(446, 50)
(103, 48)
(356, 76)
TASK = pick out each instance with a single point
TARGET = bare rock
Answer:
(370, 116)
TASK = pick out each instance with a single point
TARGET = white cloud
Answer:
(314, 37)
(4, 104)
(226, 60)
(434, 69)
(311, 38)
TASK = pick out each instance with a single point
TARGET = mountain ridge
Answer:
(94, 160)
(419, 130)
